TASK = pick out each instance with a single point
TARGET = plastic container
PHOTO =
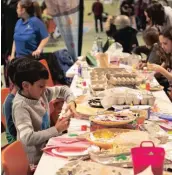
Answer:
(147, 86)
(94, 49)
(85, 72)
(83, 127)
(144, 157)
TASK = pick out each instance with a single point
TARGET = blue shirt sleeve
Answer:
(41, 29)
(7, 111)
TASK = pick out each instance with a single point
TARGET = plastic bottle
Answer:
(94, 49)
(80, 70)
(111, 41)
(100, 44)
(84, 87)
(147, 86)
(85, 70)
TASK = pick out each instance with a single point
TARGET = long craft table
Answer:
(49, 165)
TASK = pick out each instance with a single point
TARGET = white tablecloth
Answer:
(49, 165)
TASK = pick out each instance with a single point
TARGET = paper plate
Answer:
(68, 154)
(89, 111)
(111, 123)
(106, 145)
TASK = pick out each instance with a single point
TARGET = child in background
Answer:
(7, 106)
(155, 54)
(31, 108)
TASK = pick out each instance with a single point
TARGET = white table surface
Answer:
(72, 71)
(74, 68)
(49, 165)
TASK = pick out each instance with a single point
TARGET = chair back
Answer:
(14, 160)
(50, 81)
(4, 93)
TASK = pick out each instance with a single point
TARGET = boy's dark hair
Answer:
(11, 69)
(156, 13)
(31, 72)
(151, 36)
(167, 32)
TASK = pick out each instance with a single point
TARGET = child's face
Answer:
(166, 44)
(36, 90)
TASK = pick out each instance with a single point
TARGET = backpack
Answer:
(65, 62)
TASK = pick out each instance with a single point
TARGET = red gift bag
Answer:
(148, 156)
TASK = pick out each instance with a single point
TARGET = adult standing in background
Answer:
(30, 35)
(97, 9)
(8, 21)
(159, 16)
(120, 30)
(140, 6)
(127, 9)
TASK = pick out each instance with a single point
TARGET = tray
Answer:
(120, 160)
(157, 88)
(79, 167)
(112, 123)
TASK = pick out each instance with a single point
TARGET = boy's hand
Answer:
(62, 124)
(72, 107)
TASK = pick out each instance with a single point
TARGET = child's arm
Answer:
(161, 70)
(65, 93)
(28, 134)
(60, 92)
(7, 111)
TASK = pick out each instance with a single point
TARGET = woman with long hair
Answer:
(166, 68)
(158, 15)
(30, 35)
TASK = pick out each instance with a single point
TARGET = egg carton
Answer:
(114, 71)
(122, 81)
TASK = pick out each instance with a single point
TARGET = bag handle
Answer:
(141, 145)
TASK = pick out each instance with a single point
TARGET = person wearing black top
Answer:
(121, 31)
(127, 8)
(97, 9)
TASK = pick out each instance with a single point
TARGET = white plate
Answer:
(92, 148)
(68, 154)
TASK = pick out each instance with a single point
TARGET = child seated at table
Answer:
(154, 52)
(7, 106)
(31, 108)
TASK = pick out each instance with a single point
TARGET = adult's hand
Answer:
(11, 57)
(36, 53)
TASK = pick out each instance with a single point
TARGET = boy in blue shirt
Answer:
(7, 106)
